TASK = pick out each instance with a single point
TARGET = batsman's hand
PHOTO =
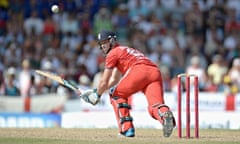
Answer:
(91, 96)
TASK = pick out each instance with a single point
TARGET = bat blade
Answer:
(58, 79)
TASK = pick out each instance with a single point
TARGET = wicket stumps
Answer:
(188, 111)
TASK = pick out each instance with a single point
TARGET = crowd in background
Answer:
(200, 37)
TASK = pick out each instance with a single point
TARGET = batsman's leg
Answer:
(157, 108)
(122, 113)
(162, 113)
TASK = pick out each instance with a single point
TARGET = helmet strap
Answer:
(111, 41)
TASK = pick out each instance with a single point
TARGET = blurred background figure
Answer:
(102, 20)
(11, 88)
(166, 76)
(195, 68)
(216, 70)
(97, 76)
(33, 25)
(2, 84)
(234, 74)
(121, 22)
(84, 82)
(25, 78)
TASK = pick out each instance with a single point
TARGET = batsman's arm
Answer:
(115, 77)
(103, 84)
(110, 77)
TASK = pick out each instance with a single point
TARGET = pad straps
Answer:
(159, 106)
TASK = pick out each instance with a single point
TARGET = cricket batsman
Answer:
(126, 72)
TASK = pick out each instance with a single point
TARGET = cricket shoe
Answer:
(168, 123)
(128, 133)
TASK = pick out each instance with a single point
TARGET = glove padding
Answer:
(91, 96)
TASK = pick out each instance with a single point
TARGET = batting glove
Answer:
(111, 90)
(91, 96)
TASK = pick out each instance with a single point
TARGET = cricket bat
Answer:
(58, 79)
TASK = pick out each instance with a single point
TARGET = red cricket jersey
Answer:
(124, 58)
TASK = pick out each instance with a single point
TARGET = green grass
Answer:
(109, 136)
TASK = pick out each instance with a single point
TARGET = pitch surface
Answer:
(109, 136)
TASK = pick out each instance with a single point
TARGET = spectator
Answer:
(85, 24)
(212, 41)
(168, 45)
(49, 26)
(228, 86)
(230, 41)
(166, 76)
(33, 25)
(234, 73)
(97, 76)
(137, 9)
(70, 40)
(89, 58)
(69, 24)
(195, 69)
(12, 55)
(121, 22)
(102, 20)
(178, 11)
(217, 69)
(34, 88)
(194, 19)
(84, 82)
(160, 10)
(232, 24)
(25, 78)
(11, 88)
